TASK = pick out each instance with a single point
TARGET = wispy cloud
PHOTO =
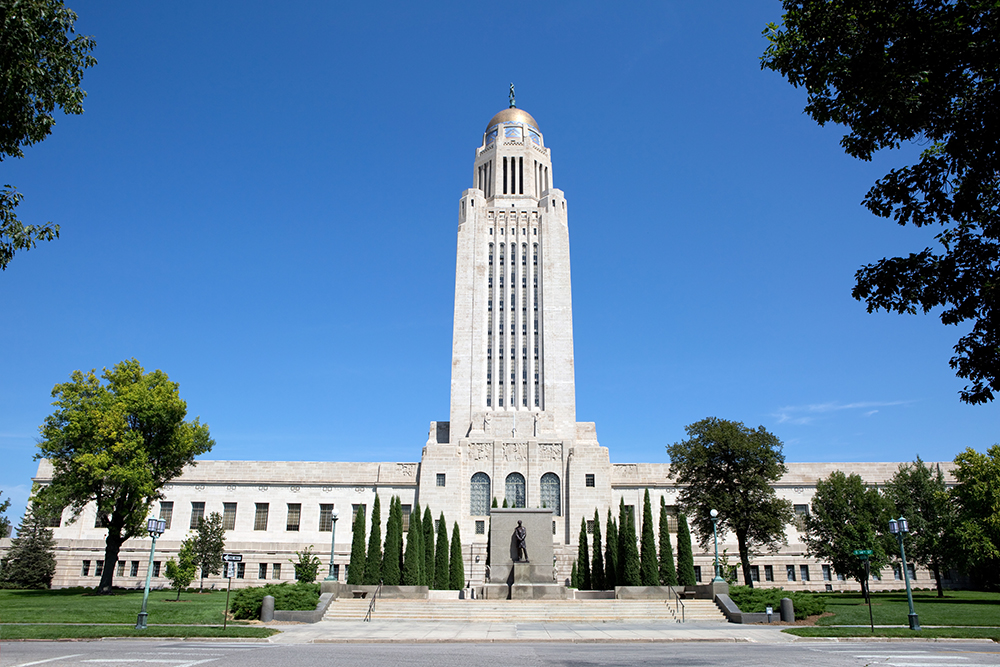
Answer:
(806, 414)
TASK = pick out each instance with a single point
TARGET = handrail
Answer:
(678, 604)
(371, 607)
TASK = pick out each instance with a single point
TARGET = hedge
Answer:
(299, 596)
(752, 600)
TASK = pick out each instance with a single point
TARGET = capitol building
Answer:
(512, 432)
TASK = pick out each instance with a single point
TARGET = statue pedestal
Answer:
(522, 573)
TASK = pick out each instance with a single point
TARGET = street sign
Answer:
(230, 570)
(862, 552)
(238, 558)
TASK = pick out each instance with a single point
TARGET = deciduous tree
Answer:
(181, 572)
(978, 497)
(726, 466)
(209, 545)
(115, 444)
(909, 71)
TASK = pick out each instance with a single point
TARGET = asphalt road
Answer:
(188, 654)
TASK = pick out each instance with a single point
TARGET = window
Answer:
(121, 569)
(697, 573)
(897, 572)
(241, 570)
(479, 496)
(842, 577)
(406, 516)
(909, 568)
(768, 573)
(325, 518)
(440, 479)
(85, 571)
(55, 519)
(515, 493)
(336, 572)
(630, 511)
(99, 568)
(672, 518)
(355, 510)
(804, 572)
(134, 569)
(590, 527)
(294, 513)
(480, 528)
(590, 479)
(827, 574)
(551, 495)
(166, 512)
(228, 516)
(197, 514)
(276, 571)
(262, 571)
(156, 568)
(801, 513)
(790, 572)
(553, 527)
(755, 573)
(260, 517)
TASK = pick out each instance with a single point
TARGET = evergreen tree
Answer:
(442, 574)
(30, 561)
(413, 559)
(668, 572)
(373, 561)
(583, 557)
(649, 573)
(597, 579)
(628, 550)
(685, 557)
(611, 555)
(455, 564)
(209, 545)
(505, 503)
(393, 544)
(574, 577)
(356, 570)
(428, 540)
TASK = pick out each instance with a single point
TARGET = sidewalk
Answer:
(457, 631)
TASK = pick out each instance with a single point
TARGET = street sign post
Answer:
(230, 561)
(863, 554)
(236, 558)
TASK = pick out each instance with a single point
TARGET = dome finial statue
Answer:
(512, 105)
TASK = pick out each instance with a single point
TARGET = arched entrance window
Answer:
(479, 503)
(550, 493)
(515, 490)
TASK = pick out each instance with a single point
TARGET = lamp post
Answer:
(155, 527)
(715, 534)
(898, 528)
(333, 534)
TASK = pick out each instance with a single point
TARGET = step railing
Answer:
(678, 603)
(377, 593)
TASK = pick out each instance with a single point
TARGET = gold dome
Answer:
(513, 115)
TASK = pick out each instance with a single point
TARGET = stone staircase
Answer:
(525, 611)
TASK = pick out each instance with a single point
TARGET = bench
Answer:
(360, 594)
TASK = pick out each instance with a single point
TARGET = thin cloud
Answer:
(806, 414)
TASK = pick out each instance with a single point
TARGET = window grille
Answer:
(515, 490)
(550, 493)
(479, 496)
(260, 517)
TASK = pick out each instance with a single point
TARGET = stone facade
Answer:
(512, 433)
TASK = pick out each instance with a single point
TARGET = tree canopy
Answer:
(30, 562)
(729, 467)
(913, 71)
(978, 496)
(209, 545)
(115, 444)
(41, 67)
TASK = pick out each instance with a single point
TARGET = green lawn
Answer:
(82, 606)
(76, 631)
(962, 608)
(957, 633)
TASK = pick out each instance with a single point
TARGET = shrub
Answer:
(307, 566)
(298, 597)
(756, 599)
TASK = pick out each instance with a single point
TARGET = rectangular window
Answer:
(99, 568)
(360, 507)
(480, 528)
(768, 573)
(440, 479)
(276, 571)
(801, 512)
(294, 514)
(553, 527)
(228, 516)
(166, 512)
(121, 569)
(897, 572)
(841, 577)
(697, 573)
(262, 571)
(672, 518)
(755, 573)
(133, 570)
(827, 574)
(790, 572)
(54, 519)
(85, 570)
(241, 570)
(197, 514)
(590, 527)
(804, 572)
(260, 517)
(336, 572)
(325, 518)
(406, 516)
(590, 479)
(909, 568)
(156, 568)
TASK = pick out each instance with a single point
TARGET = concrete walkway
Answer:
(457, 631)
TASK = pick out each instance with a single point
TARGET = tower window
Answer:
(441, 479)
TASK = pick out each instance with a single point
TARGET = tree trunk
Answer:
(936, 569)
(741, 540)
(111, 548)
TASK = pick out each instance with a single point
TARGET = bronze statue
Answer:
(511, 95)
(520, 534)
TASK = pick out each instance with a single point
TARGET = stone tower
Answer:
(513, 429)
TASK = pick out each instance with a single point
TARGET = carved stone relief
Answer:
(479, 451)
(550, 451)
(515, 451)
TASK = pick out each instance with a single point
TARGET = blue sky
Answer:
(261, 200)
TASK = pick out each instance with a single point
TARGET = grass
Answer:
(926, 633)
(957, 608)
(76, 605)
(80, 631)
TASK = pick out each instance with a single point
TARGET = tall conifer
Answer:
(668, 572)
(373, 561)
(628, 550)
(442, 574)
(583, 558)
(649, 574)
(685, 557)
(428, 525)
(356, 570)
(455, 563)
(413, 559)
(611, 555)
(597, 579)
(393, 544)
